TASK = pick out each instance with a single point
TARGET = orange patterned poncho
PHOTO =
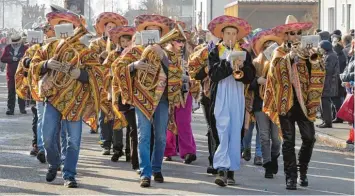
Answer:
(197, 61)
(278, 98)
(78, 99)
(24, 84)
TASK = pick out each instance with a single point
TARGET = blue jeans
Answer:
(52, 127)
(160, 122)
(64, 141)
(247, 140)
(40, 111)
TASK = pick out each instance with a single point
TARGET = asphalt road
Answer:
(331, 171)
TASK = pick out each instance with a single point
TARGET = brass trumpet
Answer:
(311, 54)
(237, 74)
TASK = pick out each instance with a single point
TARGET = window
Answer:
(343, 14)
(331, 19)
(348, 17)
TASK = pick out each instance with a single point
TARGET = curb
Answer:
(333, 141)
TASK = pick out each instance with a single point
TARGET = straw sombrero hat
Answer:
(16, 39)
(107, 17)
(292, 24)
(116, 33)
(260, 38)
(54, 18)
(218, 24)
(144, 21)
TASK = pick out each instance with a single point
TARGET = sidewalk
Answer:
(335, 136)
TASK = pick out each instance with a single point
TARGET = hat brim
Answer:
(164, 29)
(144, 21)
(299, 26)
(54, 18)
(107, 17)
(258, 44)
(116, 33)
(218, 24)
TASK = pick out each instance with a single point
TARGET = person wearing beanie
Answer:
(324, 35)
(330, 88)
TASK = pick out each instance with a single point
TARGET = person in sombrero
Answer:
(268, 130)
(293, 91)
(121, 38)
(227, 93)
(66, 104)
(104, 22)
(151, 105)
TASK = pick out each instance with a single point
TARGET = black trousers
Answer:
(327, 115)
(11, 97)
(34, 125)
(307, 131)
(132, 137)
(213, 142)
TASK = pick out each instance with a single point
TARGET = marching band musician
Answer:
(293, 91)
(104, 22)
(122, 38)
(70, 80)
(227, 93)
(148, 93)
(180, 105)
(25, 83)
(267, 129)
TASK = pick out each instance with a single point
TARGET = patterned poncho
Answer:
(77, 99)
(278, 98)
(197, 61)
(24, 84)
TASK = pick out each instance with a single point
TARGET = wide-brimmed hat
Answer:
(263, 36)
(292, 24)
(16, 39)
(115, 33)
(218, 24)
(54, 18)
(107, 17)
(143, 21)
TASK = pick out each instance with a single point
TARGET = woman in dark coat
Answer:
(330, 84)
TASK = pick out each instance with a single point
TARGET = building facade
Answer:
(337, 14)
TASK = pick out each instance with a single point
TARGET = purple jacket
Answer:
(11, 66)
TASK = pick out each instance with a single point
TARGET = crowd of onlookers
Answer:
(339, 65)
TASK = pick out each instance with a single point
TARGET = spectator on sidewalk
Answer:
(347, 46)
(324, 35)
(330, 84)
(11, 56)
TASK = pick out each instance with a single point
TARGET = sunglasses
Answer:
(179, 41)
(294, 33)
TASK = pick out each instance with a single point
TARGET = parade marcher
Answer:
(181, 108)
(330, 89)
(104, 22)
(268, 129)
(150, 99)
(286, 97)
(198, 63)
(122, 38)
(11, 56)
(70, 91)
(227, 93)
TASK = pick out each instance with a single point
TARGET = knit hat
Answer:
(326, 45)
(324, 35)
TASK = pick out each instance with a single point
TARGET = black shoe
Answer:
(23, 111)
(291, 184)
(274, 164)
(51, 174)
(70, 183)
(221, 179)
(189, 158)
(41, 156)
(145, 182)
(116, 156)
(8, 112)
(106, 152)
(324, 125)
(168, 159)
(128, 156)
(258, 161)
(230, 178)
(92, 131)
(211, 170)
(337, 120)
(350, 142)
(247, 154)
(34, 151)
(158, 177)
(268, 170)
(303, 180)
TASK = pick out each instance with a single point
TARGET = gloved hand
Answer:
(75, 73)
(261, 81)
(56, 65)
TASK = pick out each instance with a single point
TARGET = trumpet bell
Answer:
(238, 74)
